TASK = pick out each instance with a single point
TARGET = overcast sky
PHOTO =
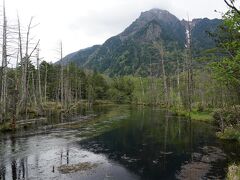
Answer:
(83, 23)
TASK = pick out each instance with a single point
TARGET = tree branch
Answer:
(232, 6)
(34, 49)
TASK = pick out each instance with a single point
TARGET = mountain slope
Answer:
(133, 52)
(201, 40)
(79, 57)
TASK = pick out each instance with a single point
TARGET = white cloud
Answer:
(81, 23)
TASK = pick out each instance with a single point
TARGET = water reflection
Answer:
(64, 156)
(19, 170)
(2, 172)
(155, 145)
(44, 164)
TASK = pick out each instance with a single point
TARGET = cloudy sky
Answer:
(83, 23)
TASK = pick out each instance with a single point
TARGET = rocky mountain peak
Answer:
(157, 14)
(146, 17)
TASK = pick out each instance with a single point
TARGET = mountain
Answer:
(133, 50)
(153, 25)
(201, 40)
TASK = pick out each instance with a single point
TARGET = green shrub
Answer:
(121, 90)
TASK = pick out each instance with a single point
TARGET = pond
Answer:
(120, 142)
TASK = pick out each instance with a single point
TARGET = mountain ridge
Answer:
(129, 52)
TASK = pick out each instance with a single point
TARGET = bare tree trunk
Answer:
(178, 84)
(23, 81)
(61, 76)
(33, 90)
(67, 88)
(23, 91)
(25, 72)
(190, 69)
(66, 85)
(4, 66)
(22, 68)
(77, 82)
(143, 93)
(24, 65)
(39, 80)
(165, 89)
(80, 90)
(45, 84)
(151, 81)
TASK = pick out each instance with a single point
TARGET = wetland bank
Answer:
(120, 142)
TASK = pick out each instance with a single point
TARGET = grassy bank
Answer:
(205, 116)
(229, 133)
(5, 127)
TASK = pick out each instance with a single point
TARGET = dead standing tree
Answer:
(24, 61)
(45, 83)
(189, 65)
(159, 47)
(3, 97)
(61, 75)
(39, 91)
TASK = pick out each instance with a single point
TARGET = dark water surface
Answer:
(122, 143)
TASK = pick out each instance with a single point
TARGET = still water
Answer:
(120, 142)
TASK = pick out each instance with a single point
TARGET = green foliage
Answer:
(121, 90)
(227, 69)
(97, 86)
